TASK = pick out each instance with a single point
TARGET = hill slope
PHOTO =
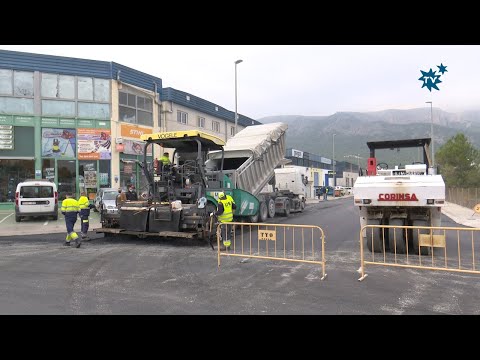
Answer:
(314, 134)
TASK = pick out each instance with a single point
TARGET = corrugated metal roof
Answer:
(207, 107)
(135, 77)
(80, 67)
(54, 64)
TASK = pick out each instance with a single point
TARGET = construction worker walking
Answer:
(84, 207)
(70, 211)
(224, 214)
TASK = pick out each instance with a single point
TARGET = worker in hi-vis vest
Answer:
(84, 207)
(225, 207)
(70, 211)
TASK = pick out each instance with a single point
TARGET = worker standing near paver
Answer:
(224, 214)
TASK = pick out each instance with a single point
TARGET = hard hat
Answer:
(221, 195)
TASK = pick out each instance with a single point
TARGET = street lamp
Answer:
(333, 160)
(431, 132)
(236, 63)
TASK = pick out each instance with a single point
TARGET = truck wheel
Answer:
(210, 208)
(55, 217)
(287, 208)
(18, 218)
(263, 211)
(253, 218)
(271, 208)
(415, 242)
(377, 242)
(397, 237)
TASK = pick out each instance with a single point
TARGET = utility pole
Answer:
(333, 160)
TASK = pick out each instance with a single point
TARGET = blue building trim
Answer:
(207, 107)
(15, 60)
(54, 64)
(135, 77)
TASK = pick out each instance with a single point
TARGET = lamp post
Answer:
(431, 132)
(333, 158)
(236, 63)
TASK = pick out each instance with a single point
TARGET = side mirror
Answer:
(202, 202)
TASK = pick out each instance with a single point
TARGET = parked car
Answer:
(105, 199)
(36, 198)
(339, 190)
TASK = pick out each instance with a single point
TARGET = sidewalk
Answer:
(42, 226)
(462, 215)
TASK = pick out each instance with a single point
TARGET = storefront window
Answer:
(66, 178)
(132, 174)
(11, 173)
(104, 174)
(127, 170)
(48, 169)
(88, 178)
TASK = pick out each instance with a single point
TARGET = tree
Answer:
(459, 162)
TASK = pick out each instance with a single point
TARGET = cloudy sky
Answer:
(300, 80)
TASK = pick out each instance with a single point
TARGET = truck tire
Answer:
(263, 211)
(287, 208)
(271, 208)
(397, 238)
(210, 208)
(377, 242)
(253, 218)
(414, 236)
(18, 218)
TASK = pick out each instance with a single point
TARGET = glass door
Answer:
(67, 176)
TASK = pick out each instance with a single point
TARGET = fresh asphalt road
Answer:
(127, 275)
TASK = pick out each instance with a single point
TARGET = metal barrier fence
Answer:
(295, 243)
(420, 247)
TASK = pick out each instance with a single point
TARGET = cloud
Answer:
(298, 80)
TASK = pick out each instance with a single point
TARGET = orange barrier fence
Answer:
(295, 243)
(420, 247)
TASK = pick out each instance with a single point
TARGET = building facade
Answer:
(183, 111)
(320, 170)
(78, 122)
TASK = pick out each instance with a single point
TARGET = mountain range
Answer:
(314, 134)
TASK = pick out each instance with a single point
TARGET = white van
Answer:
(36, 198)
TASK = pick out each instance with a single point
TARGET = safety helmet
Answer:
(221, 195)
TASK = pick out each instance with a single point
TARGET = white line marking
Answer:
(6, 217)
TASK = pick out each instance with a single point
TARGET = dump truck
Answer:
(181, 196)
(408, 195)
(251, 160)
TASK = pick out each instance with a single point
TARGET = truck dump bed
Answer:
(251, 156)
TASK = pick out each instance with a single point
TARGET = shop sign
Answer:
(6, 137)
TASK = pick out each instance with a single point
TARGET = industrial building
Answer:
(73, 120)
